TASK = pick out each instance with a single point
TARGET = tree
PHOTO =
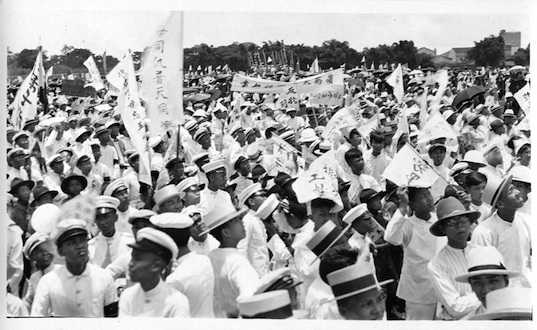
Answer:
(522, 56)
(488, 52)
(425, 60)
(26, 58)
(405, 52)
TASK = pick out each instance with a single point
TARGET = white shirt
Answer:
(53, 181)
(359, 183)
(254, 244)
(320, 302)
(117, 245)
(194, 277)
(512, 239)
(204, 247)
(14, 263)
(419, 247)
(485, 210)
(161, 301)
(60, 293)
(122, 224)
(209, 199)
(131, 181)
(234, 278)
(375, 165)
(456, 299)
(33, 281)
(307, 266)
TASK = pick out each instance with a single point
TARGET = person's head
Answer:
(225, 224)
(522, 180)
(493, 156)
(437, 152)
(103, 134)
(420, 200)
(22, 189)
(203, 137)
(84, 164)
(71, 238)
(354, 138)
(291, 112)
(360, 219)
(96, 150)
(151, 254)
(296, 215)
(17, 157)
(74, 184)
(510, 199)
(42, 195)
(373, 200)
(121, 192)
(509, 117)
(250, 135)
(191, 189)
(238, 134)
(336, 258)
(106, 214)
(134, 162)
(475, 183)
(486, 271)
(242, 166)
(354, 159)
(216, 174)
(175, 168)
(140, 219)
(176, 225)
(38, 248)
(321, 211)
(377, 141)
(198, 226)
(168, 199)
(21, 140)
(497, 127)
(454, 222)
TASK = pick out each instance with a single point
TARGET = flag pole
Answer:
(176, 169)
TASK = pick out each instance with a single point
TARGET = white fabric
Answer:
(117, 244)
(254, 244)
(33, 282)
(14, 263)
(204, 247)
(209, 200)
(375, 165)
(320, 302)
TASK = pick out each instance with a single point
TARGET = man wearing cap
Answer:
(509, 118)
(507, 229)
(203, 138)
(83, 167)
(78, 289)
(131, 181)
(359, 180)
(98, 167)
(38, 249)
(20, 210)
(168, 199)
(257, 156)
(109, 156)
(437, 154)
(53, 179)
(522, 181)
(156, 143)
(254, 245)
(119, 190)
(241, 165)
(152, 252)
(21, 140)
(213, 197)
(362, 224)
(494, 160)
(192, 274)
(454, 221)
(109, 243)
(20, 167)
(485, 273)
(297, 123)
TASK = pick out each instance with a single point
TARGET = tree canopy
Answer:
(488, 52)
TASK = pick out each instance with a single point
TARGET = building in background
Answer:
(512, 42)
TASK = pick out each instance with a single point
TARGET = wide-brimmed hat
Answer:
(80, 132)
(65, 182)
(475, 157)
(508, 303)
(220, 216)
(367, 194)
(448, 208)
(18, 182)
(163, 194)
(253, 152)
(521, 173)
(325, 238)
(267, 207)
(307, 135)
(41, 191)
(485, 260)
(282, 179)
(470, 117)
(187, 183)
(248, 192)
(277, 301)
(519, 143)
(100, 131)
(493, 189)
(353, 280)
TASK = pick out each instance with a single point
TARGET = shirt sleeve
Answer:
(455, 304)
(124, 303)
(14, 259)
(41, 305)
(110, 290)
(482, 236)
(396, 232)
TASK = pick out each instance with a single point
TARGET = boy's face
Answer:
(142, 265)
(106, 223)
(23, 193)
(75, 250)
(320, 215)
(377, 146)
(369, 305)
(483, 284)
(364, 224)
(457, 229)
(42, 256)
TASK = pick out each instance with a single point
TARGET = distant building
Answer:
(512, 42)
(425, 50)
(440, 59)
(459, 54)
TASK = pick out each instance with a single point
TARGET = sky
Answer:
(116, 26)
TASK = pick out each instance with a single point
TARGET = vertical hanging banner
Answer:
(25, 103)
(162, 76)
(123, 77)
(95, 77)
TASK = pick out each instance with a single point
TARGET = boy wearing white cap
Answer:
(213, 196)
(118, 189)
(192, 274)
(78, 289)
(152, 253)
(109, 244)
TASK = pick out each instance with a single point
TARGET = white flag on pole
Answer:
(441, 77)
(162, 78)
(436, 127)
(402, 128)
(94, 76)
(396, 81)
(523, 98)
(49, 72)
(408, 169)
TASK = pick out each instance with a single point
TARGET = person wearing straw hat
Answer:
(358, 293)
(241, 166)
(485, 273)
(109, 156)
(522, 152)
(98, 167)
(509, 303)
(198, 242)
(254, 245)
(20, 166)
(78, 289)
(152, 253)
(213, 196)
(109, 244)
(269, 305)
(158, 147)
(494, 160)
(168, 199)
(192, 274)
(419, 246)
(234, 277)
(507, 229)
(522, 181)
(131, 180)
(118, 189)
(361, 224)
(83, 168)
(455, 299)
(39, 250)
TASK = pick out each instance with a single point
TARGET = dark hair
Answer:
(523, 149)
(179, 236)
(376, 136)
(322, 203)
(298, 210)
(352, 154)
(217, 232)
(511, 142)
(475, 178)
(336, 258)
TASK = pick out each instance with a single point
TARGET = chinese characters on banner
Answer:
(94, 75)
(289, 97)
(346, 117)
(318, 182)
(133, 114)
(408, 169)
(25, 103)
(286, 156)
(523, 98)
(162, 77)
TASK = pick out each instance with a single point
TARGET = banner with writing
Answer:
(289, 97)
(318, 182)
(523, 98)
(396, 81)
(346, 117)
(408, 169)
(94, 76)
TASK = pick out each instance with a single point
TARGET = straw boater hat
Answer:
(267, 207)
(476, 157)
(187, 183)
(448, 208)
(80, 132)
(220, 216)
(116, 185)
(200, 156)
(263, 305)
(172, 220)
(253, 152)
(325, 238)
(509, 303)
(519, 144)
(164, 194)
(485, 260)
(494, 188)
(353, 280)
(307, 135)
(521, 174)
(248, 192)
(33, 242)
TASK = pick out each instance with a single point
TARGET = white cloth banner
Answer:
(162, 76)
(286, 156)
(396, 81)
(133, 113)
(366, 128)
(402, 128)
(436, 127)
(319, 182)
(25, 103)
(408, 169)
(523, 98)
(289, 97)
(346, 117)
(441, 77)
(94, 76)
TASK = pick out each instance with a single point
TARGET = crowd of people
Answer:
(220, 231)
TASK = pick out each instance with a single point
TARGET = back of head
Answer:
(336, 258)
